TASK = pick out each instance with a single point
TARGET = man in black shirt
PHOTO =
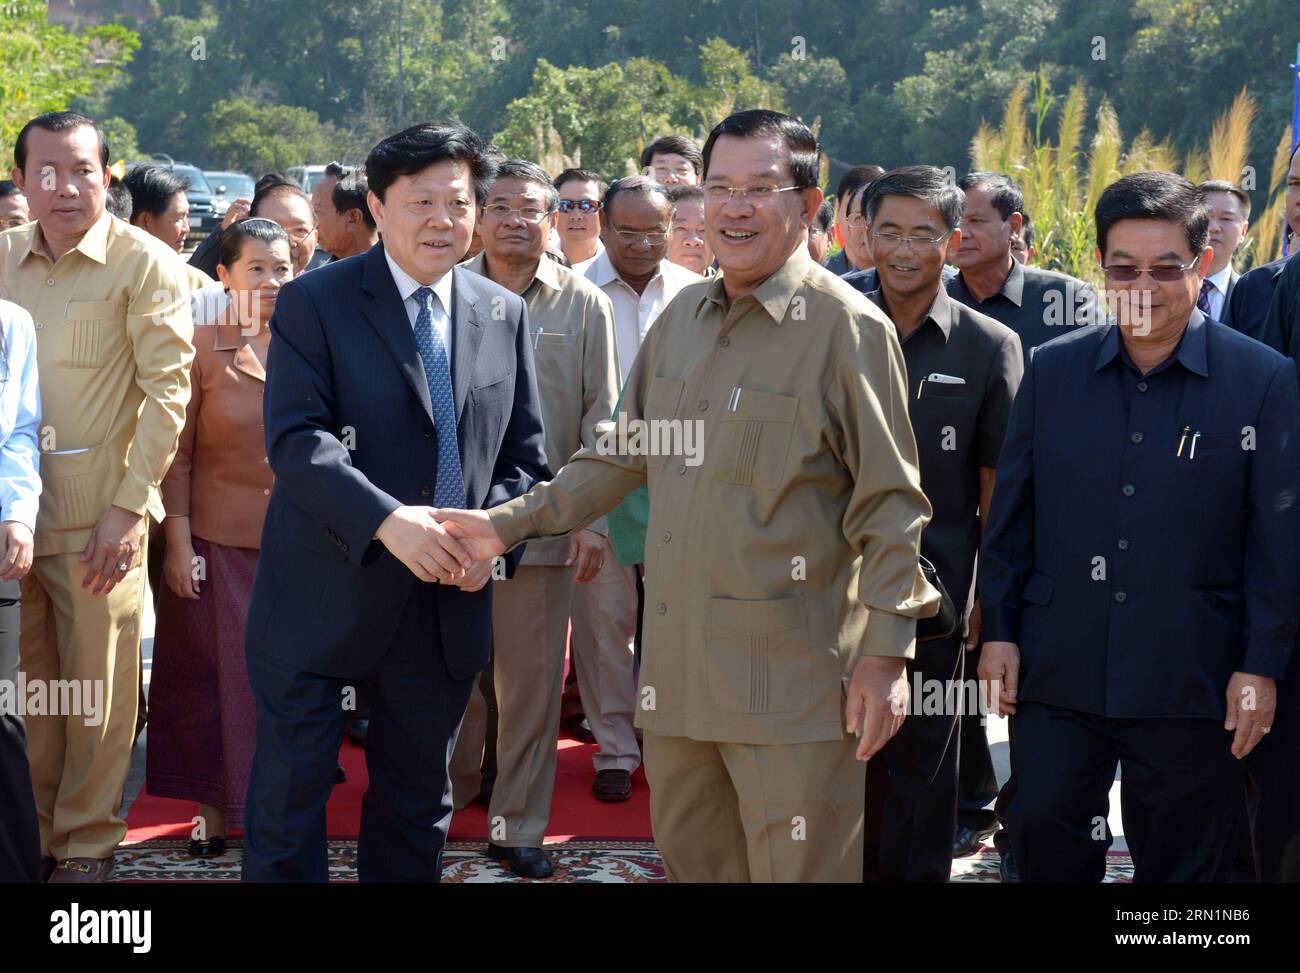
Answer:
(963, 370)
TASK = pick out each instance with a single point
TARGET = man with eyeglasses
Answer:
(854, 254)
(672, 160)
(1037, 305)
(577, 381)
(1139, 572)
(963, 370)
(640, 282)
(577, 222)
(782, 575)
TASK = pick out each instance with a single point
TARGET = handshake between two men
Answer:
(459, 547)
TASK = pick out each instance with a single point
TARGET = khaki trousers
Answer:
(80, 760)
(739, 812)
(530, 621)
(604, 635)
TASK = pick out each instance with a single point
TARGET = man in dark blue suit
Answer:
(395, 382)
(1247, 308)
(1138, 576)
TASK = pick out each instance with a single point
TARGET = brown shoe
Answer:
(612, 785)
(83, 871)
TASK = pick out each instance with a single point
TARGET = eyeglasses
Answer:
(858, 221)
(529, 214)
(891, 239)
(633, 237)
(582, 205)
(757, 195)
(681, 172)
(1166, 275)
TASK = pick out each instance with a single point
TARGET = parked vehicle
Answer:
(230, 186)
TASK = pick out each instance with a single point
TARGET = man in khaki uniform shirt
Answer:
(577, 378)
(781, 557)
(114, 347)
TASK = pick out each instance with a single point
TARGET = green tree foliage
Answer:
(44, 67)
(256, 136)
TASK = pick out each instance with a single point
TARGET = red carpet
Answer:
(574, 812)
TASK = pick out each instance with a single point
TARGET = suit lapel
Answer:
(467, 332)
(382, 307)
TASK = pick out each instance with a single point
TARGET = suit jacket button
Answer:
(425, 492)
(428, 432)
(1128, 490)
(1121, 597)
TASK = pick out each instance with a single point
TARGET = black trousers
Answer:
(416, 708)
(1181, 798)
(20, 841)
(911, 797)
(1274, 794)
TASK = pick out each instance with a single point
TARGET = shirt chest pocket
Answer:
(93, 332)
(752, 439)
(663, 397)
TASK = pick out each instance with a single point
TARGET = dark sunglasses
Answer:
(583, 205)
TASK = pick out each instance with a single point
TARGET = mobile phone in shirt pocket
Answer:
(752, 438)
(92, 332)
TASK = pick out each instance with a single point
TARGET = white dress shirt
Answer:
(406, 288)
(20, 418)
(581, 266)
(1216, 295)
(633, 312)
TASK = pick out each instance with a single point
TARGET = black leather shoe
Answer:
(1007, 870)
(524, 862)
(578, 728)
(357, 730)
(970, 840)
(209, 848)
(48, 864)
(340, 775)
(612, 785)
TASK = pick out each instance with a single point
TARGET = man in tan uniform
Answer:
(781, 557)
(114, 346)
(577, 377)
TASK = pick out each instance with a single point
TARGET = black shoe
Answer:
(340, 775)
(1007, 870)
(211, 848)
(524, 862)
(578, 728)
(356, 731)
(612, 785)
(48, 864)
(970, 840)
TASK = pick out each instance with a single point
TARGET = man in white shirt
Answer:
(577, 221)
(1229, 220)
(640, 282)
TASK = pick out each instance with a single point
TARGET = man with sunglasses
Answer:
(1139, 571)
(577, 222)
(640, 282)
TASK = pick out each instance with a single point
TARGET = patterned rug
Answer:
(610, 862)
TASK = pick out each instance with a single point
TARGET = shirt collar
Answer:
(1220, 280)
(941, 312)
(1191, 351)
(93, 243)
(774, 294)
(602, 272)
(548, 270)
(408, 285)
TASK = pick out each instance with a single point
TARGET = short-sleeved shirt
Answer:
(963, 369)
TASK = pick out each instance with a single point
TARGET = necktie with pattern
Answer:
(1203, 302)
(449, 491)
